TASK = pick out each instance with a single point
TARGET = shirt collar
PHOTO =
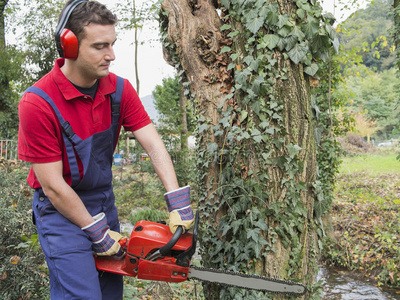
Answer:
(69, 91)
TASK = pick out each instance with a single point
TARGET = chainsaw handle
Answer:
(168, 246)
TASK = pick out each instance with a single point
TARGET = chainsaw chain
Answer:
(248, 276)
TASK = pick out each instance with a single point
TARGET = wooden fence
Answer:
(8, 149)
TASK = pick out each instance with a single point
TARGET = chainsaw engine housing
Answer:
(152, 252)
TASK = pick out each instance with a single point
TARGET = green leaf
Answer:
(310, 28)
(226, 3)
(203, 127)
(233, 33)
(298, 52)
(320, 43)
(256, 106)
(212, 147)
(291, 41)
(225, 49)
(293, 150)
(311, 70)
(271, 40)
(282, 20)
(255, 24)
(257, 84)
(272, 18)
(243, 116)
(298, 32)
(225, 27)
(300, 12)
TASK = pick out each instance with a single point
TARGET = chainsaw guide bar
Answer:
(246, 281)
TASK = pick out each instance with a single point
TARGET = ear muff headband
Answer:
(66, 41)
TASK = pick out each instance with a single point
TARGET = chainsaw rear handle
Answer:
(171, 243)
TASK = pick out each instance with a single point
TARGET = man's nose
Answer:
(110, 54)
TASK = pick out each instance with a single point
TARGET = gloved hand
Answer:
(105, 241)
(180, 212)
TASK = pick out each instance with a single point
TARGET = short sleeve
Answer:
(39, 136)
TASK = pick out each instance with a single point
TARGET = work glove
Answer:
(104, 241)
(180, 212)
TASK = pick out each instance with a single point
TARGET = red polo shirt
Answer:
(40, 133)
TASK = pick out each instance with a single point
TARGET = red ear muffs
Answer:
(69, 44)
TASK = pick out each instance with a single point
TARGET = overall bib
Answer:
(68, 250)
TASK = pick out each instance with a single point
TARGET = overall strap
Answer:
(116, 100)
(116, 104)
(69, 135)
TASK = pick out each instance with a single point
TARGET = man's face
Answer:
(96, 51)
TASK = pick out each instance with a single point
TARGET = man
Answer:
(69, 124)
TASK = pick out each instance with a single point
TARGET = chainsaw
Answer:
(152, 252)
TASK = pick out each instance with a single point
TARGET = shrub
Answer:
(22, 265)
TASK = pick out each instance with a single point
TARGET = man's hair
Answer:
(87, 13)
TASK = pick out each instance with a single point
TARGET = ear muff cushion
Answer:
(69, 44)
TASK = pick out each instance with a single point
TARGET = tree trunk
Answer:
(3, 4)
(136, 50)
(397, 28)
(257, 157)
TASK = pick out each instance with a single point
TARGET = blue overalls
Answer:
(68, 250)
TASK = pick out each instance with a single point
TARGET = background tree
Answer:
(132, 15)
(10, 60)
(36, 39)
(249, 64)
(365, 127)
(176, 116)
(367, 30)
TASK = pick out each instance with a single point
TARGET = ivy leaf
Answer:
(226, 3)
(291, 41)
(203, 127)
(243, 116)
(330, 18)
(225, 27)
(298, 52)
(212, 147)
(300, 12)
(281, 44)
(235, 226)
(293, 150)
(319, 43)
(311, 70)
(248, 59)
(272, 18)
(298, 32)
(255, 24)
(271, 40)
(257, 84)
(282, 20)
(225, 49)
(256, 106)
(310, 28)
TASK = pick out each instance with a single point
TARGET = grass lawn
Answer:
(372, 164)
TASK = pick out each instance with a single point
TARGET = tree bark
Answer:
(194, 30)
